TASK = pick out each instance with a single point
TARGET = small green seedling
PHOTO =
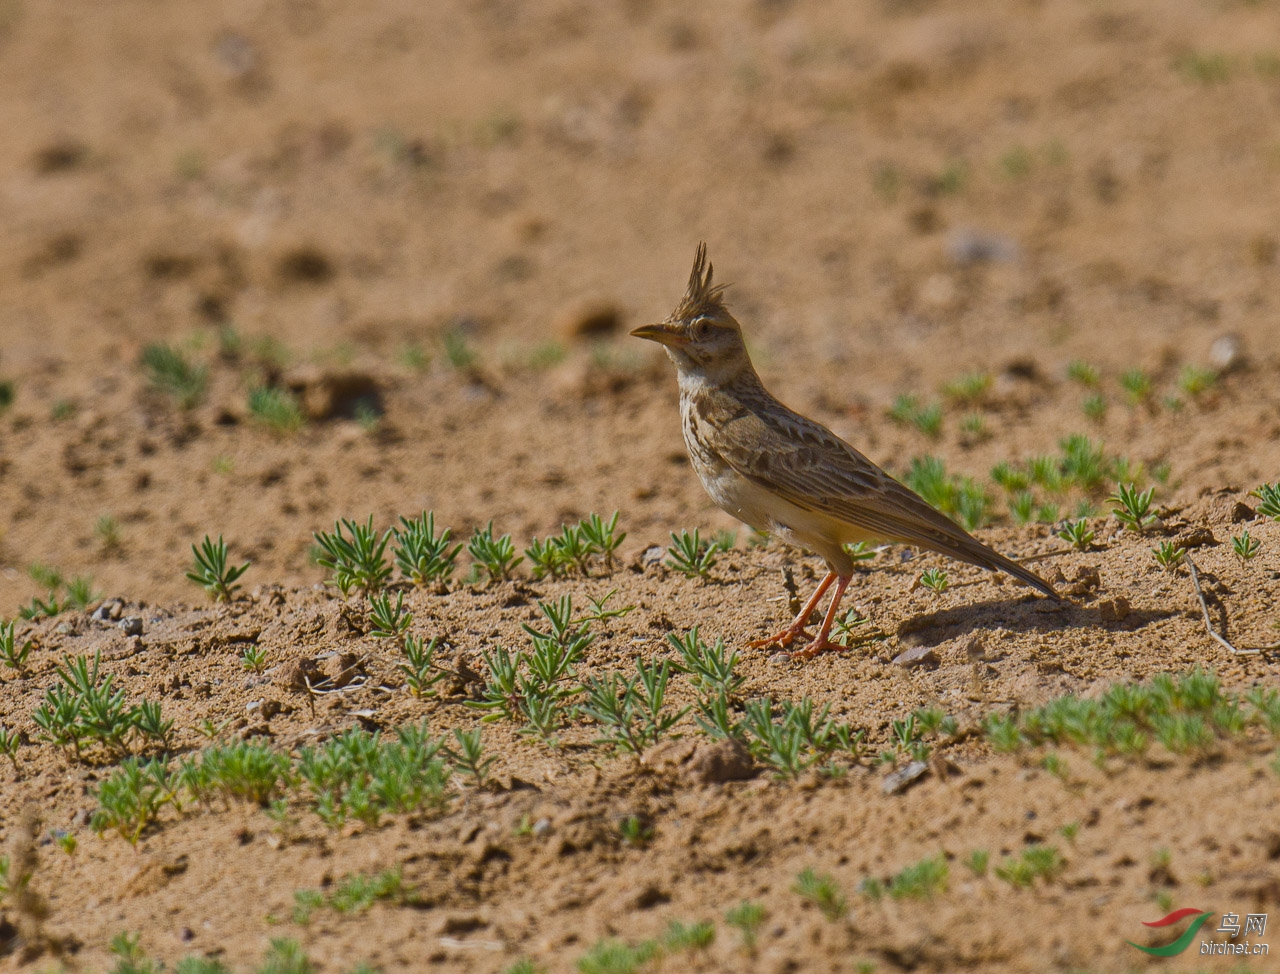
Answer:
(107, 529)
(909, 411)
(12, 652)
(422, 556)
(975, 426)
(358, 561)
(1245, 548)
(970, 388)
(1195, 380)
(497, 556)
(630, 710)
(389, 621)
(922, 880)
(1168, 555)
(211, 571)
(978, 861)
(1036, 862)
(276, 409)
(169, 371)
(469, 754)
(10, 741)
(1095, 407)
(254, 658)
(1083, 373)
(602, 537)
(934, 579)
(1134, 510)
(1137, 385)
(821, 890)
(618, 957)
(1269, 494)
(419, 669)
(635, 831)
(1077, 534)
(691, 556)
(748, 917)
(694, 936)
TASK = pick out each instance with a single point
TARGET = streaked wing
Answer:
(808, 465)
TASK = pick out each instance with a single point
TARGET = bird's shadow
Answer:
(1028, 615)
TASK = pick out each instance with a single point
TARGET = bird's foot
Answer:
(820, 645)
(781, 639)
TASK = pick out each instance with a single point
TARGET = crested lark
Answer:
(785, 474)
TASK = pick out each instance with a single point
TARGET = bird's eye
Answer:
(702, 329)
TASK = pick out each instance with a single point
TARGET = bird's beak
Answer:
(663, 334)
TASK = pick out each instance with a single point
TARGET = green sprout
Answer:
(1245, 547)
(630, 711)
(1269, 494)
(13, 653)
(690, 555)
(1195, 380)
(169, 371)
(934, 579)
(497, 556)
(1083, 373)
(970, 388)
(1134, 510)
(389, 621)
(1137, 385)
(821, 890)
(922, 880)
(421, 555)
(358, 561)
(748, 917)
(277, 409)
(107, 528)
(1095, 407)
(1168, 555)
(254, 658)
(420, 670)
(1077, 534)
(211, 571)
(469, 754)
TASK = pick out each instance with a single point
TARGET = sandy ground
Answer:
(435, 223)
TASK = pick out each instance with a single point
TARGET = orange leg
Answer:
(821, 642)
(797, 628)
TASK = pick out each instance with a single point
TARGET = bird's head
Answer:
(701, 336)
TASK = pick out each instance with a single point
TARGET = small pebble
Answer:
(130, 626)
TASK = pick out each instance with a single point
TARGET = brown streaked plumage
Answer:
(782, 473)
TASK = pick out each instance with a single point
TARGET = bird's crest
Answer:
(700, 298)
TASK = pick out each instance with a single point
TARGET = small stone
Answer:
(130, 626)
(1196, 538)
(652, 556)
(917, 656)
(1241, 512)
(969, 246)
(1086, 580)
(1114, 610)
(904, 778)
(1227, 352)
(541, 827)
(301, 675)
(713, 764)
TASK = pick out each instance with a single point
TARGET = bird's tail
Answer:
(984, 557)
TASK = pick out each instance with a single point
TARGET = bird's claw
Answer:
(822, 645)
(780, 639)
